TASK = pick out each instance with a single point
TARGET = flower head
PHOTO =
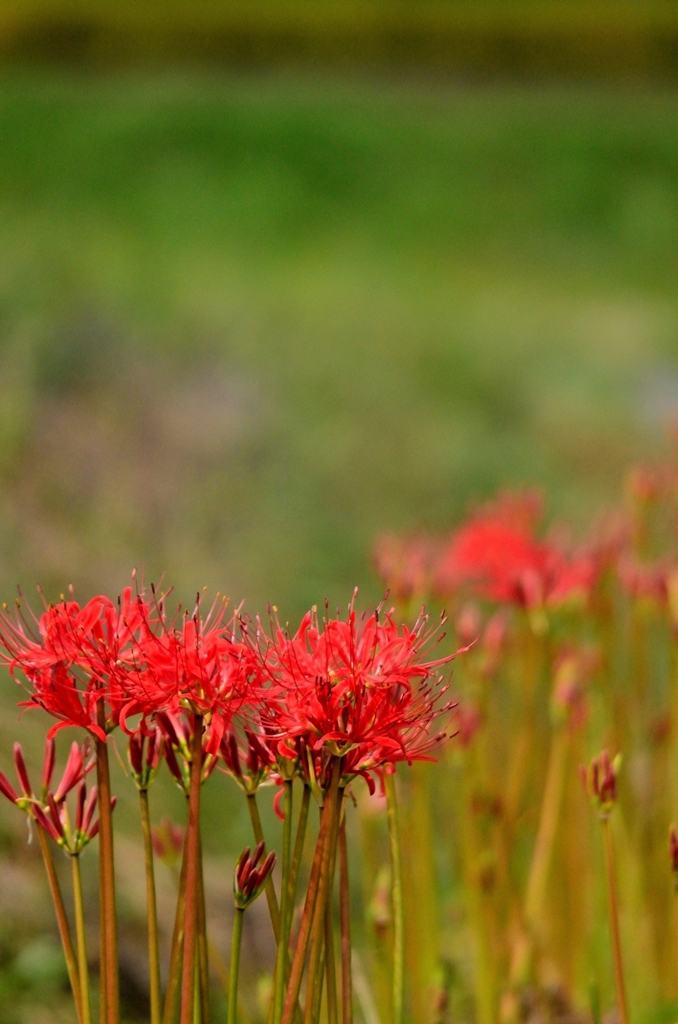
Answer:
(363, 690)
(73, 658)
(497, 554)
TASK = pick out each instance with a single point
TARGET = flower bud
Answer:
(7, 789)
(600, 781)
(249, 879)
(48, 765)
(73, 773)
(673, 851)
(21, 770)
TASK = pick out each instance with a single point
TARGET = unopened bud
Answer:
(249, 878)
(21, 770)
(600, 781)
(673, 852)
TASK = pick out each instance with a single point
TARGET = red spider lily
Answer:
(74, 657)
(497, 554)
(250, 876)
(197, 666)
(74, 774)
(362, 691)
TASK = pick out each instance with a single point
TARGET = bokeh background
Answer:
(276, 278)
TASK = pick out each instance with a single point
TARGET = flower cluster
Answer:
(361, 689)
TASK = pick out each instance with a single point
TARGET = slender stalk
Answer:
(301, 949)
(78, 906)
(318, 994)
(235, 965)
(151, 912)
(613, 895)
(174, 974)
(197, 1006)
(332, 809)
(62, 919)
(540, 866)
(285, 910)
(299, 847)
(396, 900)
(203, 952)
(330, 968)
(108, 925)
(192, 875)
(345, 919)
(271, 897)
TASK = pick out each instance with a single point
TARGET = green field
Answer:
(248, 323)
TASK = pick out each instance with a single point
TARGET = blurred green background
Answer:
(262, 300)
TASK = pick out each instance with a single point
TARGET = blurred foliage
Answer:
(247, 324)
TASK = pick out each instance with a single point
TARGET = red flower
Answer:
(361, 690)
(74, 657)
(497, 554)
(197, 667)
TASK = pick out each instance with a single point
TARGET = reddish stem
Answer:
(62, 919)
(345, 919)
(108, 924)
(331, 811)
(192, 877)
(304, 936)
(174, 972)
(613, 893)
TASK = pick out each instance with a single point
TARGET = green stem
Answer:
(108, 927)
(332, 810)
(192, 875)
(197, 1006)
(299, 847)
(285, 912)
(151, 911)
(296, 973)
(235, 965)
(79, 908)
(174, 974)
(396, 900)
(345, 919)
(271, 897)
(613, 895)
(62, 919)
